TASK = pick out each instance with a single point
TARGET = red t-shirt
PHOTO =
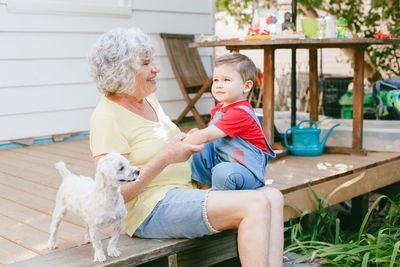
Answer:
(237, 122)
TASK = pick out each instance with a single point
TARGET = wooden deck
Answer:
(29, 182)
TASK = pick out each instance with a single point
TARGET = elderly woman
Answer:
(164, 203)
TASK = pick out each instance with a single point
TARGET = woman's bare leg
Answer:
(276, 231)
(249, 211)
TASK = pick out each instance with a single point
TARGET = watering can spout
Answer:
(327, 134)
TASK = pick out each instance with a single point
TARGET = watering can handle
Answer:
(285, 138)
(310, 121)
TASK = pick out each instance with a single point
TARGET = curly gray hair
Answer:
(114, 57)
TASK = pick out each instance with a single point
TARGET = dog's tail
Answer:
(62, 169)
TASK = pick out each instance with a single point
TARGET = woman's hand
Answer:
(179, 151)
(175, 151)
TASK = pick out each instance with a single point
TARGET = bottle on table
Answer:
(321, 27)
(256, 22)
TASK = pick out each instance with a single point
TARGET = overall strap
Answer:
(252, 114)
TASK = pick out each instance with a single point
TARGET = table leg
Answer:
(293, 91)
(313, 84)
(268, 94)
(358, 101)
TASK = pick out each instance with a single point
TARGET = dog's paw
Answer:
(99, 257)
(113, 252)
(51, 244)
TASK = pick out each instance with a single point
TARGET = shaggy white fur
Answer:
(98, 202)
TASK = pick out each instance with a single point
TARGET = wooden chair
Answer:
(188, 70)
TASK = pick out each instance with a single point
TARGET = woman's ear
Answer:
(247, 86)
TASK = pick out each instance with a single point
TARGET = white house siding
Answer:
(45, 89)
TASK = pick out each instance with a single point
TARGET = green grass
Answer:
(327, 241)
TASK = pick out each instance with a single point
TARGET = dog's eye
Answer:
(122, 168)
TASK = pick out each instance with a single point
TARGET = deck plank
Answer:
(46, 155)
(79, 151)
(292, 173)
(47, 165)
(41, 205)
(11, 252)
(139, 250)
(73, 146)
(352, 185)
(27, 236)
(67, 231)
(39, 174)
(33, 202)
(39, 170)
(28, 186)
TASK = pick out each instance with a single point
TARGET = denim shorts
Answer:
(180, 214)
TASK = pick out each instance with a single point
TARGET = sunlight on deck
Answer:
(334, 168)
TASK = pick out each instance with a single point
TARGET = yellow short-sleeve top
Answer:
(114, 128)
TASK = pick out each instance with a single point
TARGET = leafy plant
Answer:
(242, 11)
(326, 242)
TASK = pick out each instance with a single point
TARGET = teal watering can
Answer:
(306, 140)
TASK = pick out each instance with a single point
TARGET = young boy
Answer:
(236, 152)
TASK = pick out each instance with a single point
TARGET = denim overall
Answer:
(231, 164)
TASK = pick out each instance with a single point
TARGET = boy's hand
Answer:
(197, 137)
(193, 130)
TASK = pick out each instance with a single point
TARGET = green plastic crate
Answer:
(346, 103)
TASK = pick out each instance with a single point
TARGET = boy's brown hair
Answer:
(241, 63)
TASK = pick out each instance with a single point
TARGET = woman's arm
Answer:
(175, 151)
(204, 135)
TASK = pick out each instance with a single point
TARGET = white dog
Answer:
(98, 202)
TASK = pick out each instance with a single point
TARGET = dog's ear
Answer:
(105, 170)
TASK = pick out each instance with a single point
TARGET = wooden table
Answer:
(358, 45)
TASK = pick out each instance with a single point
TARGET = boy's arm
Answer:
(204, 135)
